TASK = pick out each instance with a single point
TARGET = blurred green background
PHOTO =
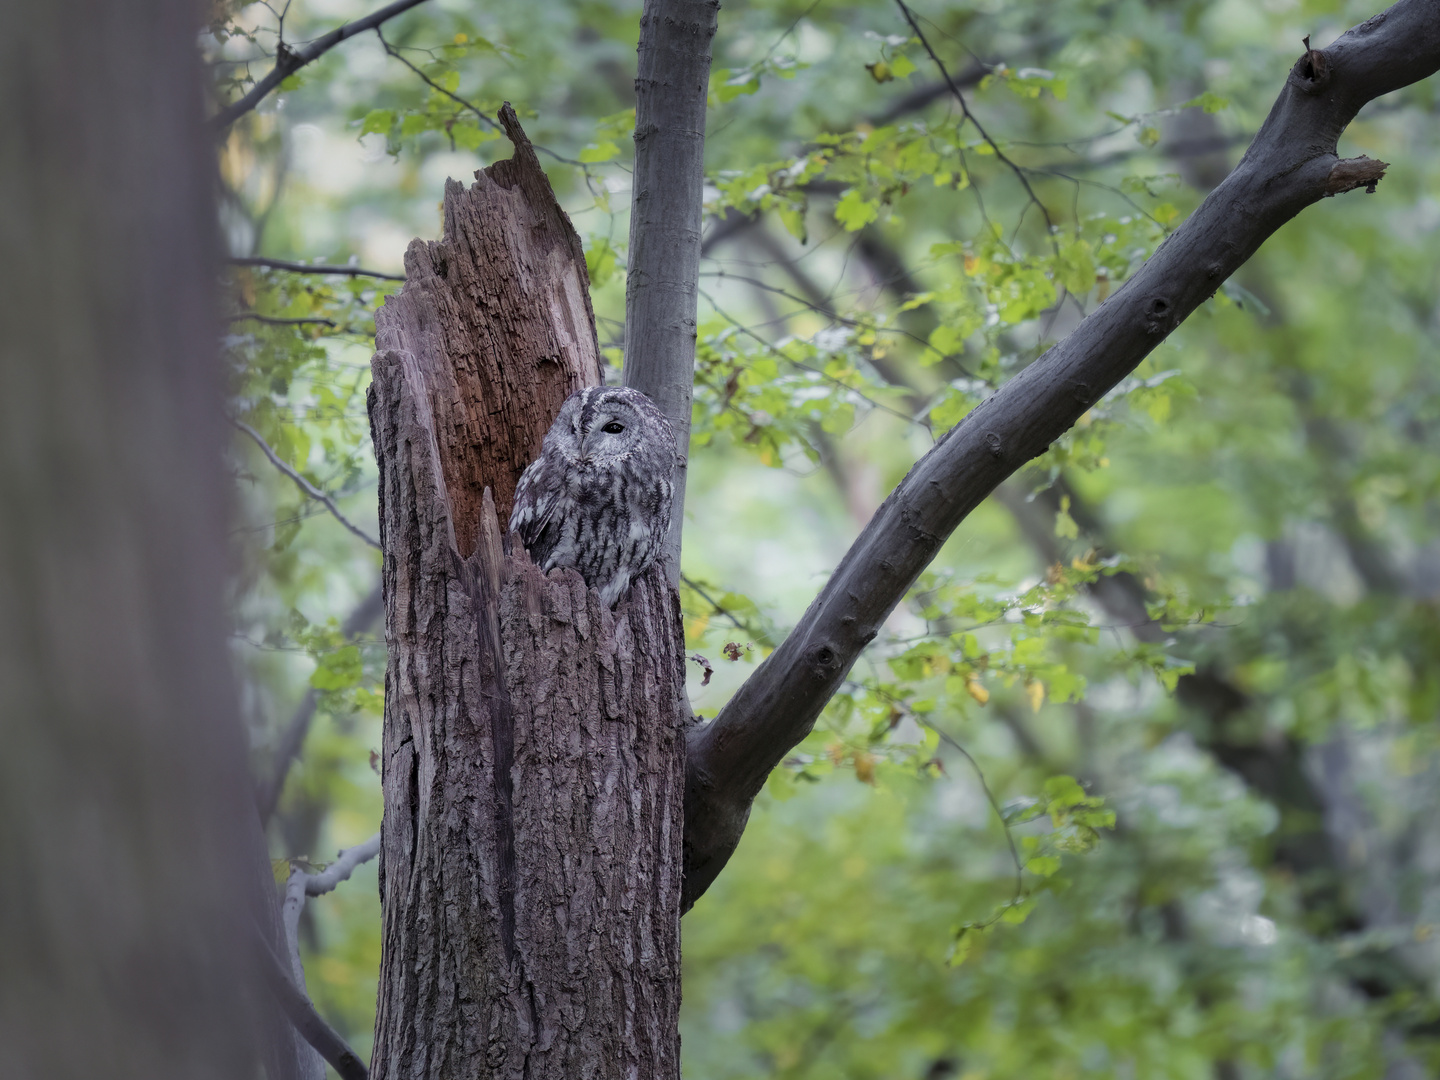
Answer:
(1140, 781)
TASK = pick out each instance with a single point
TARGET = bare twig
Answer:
(472, 107)
(305, 485)
(468, 106)
(965, 109)
(307, 268)
(288, 60)
(274, 320)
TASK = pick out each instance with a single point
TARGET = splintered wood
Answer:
(533, 762)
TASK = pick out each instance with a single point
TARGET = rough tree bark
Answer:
(533, 747)
(135, 868)
(662, 279)
(1292, 163)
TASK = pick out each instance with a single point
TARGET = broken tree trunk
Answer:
(533, 763)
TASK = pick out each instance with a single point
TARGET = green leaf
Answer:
(902, 66)
(854, 211)
(792, 216)
(1065, 526)
(1043, 865)
(600, 261)
(603, 151)
(378, 122)
(1209, 101)
(1018, 913)
(338, 670)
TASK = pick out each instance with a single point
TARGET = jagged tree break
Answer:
(533, 756)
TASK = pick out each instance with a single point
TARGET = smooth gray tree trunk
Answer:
(533, 757)
(663, 273)
(134, 869)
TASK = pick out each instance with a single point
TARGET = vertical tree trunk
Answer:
(662, 279)
(134, 867)
(533, 750)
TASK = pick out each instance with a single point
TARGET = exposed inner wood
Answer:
(498, 310)
(533, 761)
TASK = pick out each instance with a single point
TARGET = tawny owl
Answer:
(598, 498)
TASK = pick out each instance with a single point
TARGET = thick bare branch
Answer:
(660, 287)
(1291, 164)
(292, 995)
(288, 61)
(311, 1025)
(343, 866)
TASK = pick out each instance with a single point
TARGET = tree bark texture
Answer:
(498, 313)
(135, 870)
(533, 762)
(1292, 163)
(672, 83)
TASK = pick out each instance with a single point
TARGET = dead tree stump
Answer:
(533, 763)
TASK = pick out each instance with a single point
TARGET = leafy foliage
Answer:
(1137, 780)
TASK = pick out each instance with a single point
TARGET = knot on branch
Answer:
(1312, 70)
(1159, 315)
(823, 659)
(1352, 173)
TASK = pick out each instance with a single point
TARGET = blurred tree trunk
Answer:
(533, 761)
(134, 868)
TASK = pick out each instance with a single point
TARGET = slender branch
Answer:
(273, 320)
(288, 61)
(398, 55)
(301, 1012)
(472, 107)
(305, 485)
(307, 268)
(1291, 164)
(965, 108)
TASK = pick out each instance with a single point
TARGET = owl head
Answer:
(604, 425)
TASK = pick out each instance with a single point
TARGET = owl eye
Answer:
(613, 428)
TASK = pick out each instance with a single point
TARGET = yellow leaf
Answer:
(975, 690)
(461, 39)
(697, 625)
(865, 768)
(1035, 691)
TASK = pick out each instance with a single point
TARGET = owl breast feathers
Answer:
(598, 498)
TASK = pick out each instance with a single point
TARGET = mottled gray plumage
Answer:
(598, 497)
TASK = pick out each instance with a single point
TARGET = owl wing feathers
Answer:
(536, 500)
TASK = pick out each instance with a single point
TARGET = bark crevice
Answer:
(533, 768)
